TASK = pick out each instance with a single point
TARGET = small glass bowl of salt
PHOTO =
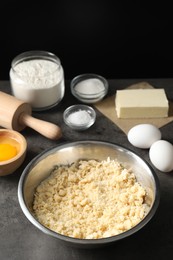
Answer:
(89, 88)
(79, 117)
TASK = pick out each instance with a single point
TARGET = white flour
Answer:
(39, 82)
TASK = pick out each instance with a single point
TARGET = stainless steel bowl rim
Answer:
(91, 242)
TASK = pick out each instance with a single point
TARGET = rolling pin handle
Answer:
(47, 129)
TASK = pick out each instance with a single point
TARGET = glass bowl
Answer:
(79, 117)
(89, 88)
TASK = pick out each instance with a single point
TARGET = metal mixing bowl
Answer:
(40, 167)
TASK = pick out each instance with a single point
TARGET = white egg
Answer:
(161, 155)
(143, 135)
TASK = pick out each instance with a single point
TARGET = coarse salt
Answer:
(80, 117)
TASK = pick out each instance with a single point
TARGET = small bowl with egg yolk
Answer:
(13, 148)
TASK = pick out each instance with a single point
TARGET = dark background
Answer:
(117, 39)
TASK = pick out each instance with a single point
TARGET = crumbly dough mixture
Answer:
(90, 200)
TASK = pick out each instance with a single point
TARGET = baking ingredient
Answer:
(80, 117)
(9, 148)
(39, 82)
(161, 155)
(90, 86)
(143, 135)
(7, 151)
(90, 199)
(141, 103)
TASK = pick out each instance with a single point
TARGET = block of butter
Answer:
(141, 103)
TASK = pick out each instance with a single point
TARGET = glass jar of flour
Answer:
(37, 78)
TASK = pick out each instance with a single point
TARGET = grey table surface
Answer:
(20, 240)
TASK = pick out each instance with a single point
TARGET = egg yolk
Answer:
(7, 151)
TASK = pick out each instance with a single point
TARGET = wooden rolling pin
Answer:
(16, 114)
